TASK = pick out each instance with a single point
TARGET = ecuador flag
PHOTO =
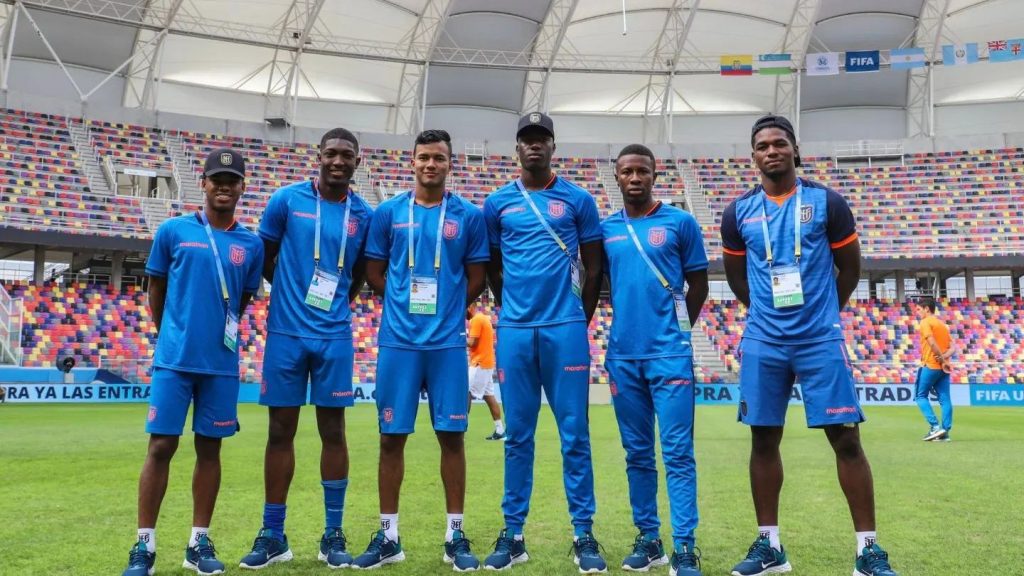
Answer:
(737, 64)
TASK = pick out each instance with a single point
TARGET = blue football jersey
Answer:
(290, 219)
(643, 312)
(191, 335)
(826, 223)
(537, 285)
(464, 242)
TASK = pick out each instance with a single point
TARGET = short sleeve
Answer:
(840, 227)
(364, 229)
(477, 247)
(732, 240)
(275, 217)
(476, 328)
(588, 221)
(926, 330)
(693, 253)
(159, 261)
(492, 222)
(255, 273)
(378, 237)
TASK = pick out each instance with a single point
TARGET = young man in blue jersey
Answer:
(781, 242)
(203, 269)
(652, 251)
(545, 273)
(426, 255)
(314, 232)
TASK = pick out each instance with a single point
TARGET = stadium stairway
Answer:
(183, 170)
(695, 196)
(606, 171)
(707, 355)
(364, 186)
(90, 160)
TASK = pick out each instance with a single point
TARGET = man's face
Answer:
(431, 164)
(635, 175)
(535, 148)
(223, 191)
(773, 152)
(338, 162)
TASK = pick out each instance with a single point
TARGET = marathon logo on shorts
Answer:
(456, 416)
(389, 415)
(341, 393)
(841, 410)
(656, 236)
(680, 382)
(353, 227)
(806, 213)
(451, 229)
(577, 368)
(224, 423)
(556, 208)
(152, 416)
(237, 254)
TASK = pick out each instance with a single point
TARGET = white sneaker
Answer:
(934, 433)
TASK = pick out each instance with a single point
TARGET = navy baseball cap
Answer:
(537, 120)
(224, 161)
(775, 121)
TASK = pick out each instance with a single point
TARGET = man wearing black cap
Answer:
(203, 269)
(545, 272)
(781, 241)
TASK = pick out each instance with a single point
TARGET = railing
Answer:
(867, 148)
(11, 312)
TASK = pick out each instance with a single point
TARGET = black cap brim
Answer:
(224, 170)
(536, 127)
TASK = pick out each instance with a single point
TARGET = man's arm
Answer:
(270, 251)
(476, 280)
(847, 260)
(246, 298)
(358, 279)
(736, 275)
(592, 255)
(375, 275)
(696, 293)
(157, 296)
(495, 274)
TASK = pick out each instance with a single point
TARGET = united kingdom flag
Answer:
(997, 45)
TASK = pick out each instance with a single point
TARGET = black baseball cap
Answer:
(538, 120)
(775, 121)
(224, 161)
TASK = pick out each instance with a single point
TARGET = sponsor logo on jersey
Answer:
(513, 210)
(299, 214)
(203, 245)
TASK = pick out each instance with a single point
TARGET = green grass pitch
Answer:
(68, 478)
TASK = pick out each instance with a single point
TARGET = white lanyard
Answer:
(216, 258)
(344, 228)
(769, 255)
(440, 232)
(543, 221)
(643, 253)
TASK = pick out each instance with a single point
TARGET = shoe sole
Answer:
(383, 562)
(195, 568)
(286, 556)
(323, 558)
(515, 560)
(934, 435)
(576, 560)
(449, 560)
(652, 564)
(773, 570)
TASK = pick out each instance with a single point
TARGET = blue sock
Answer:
(334, 502)
(678, 543)
(580, 531)
(273, 519)
(514, 530)
(651, 535)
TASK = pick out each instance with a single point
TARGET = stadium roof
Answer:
(568, 56)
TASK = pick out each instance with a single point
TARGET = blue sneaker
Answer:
(266, 550)
(333, 549)
(381, 551)
(507, 551)
(458, 554)
(933, 433)
(762, 559)
(140, 561)
(647, 553)
(586, 554)
(686, 562)
(873, 561)
(202, 558)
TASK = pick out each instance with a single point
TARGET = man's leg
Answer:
(854, 475)
(279, 457)
(945, 401)
(921, 392)
(154, 477)
(390, 473)
(205, 479)
(520, 386)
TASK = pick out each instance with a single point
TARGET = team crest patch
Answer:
(389, 415)
(556, 208)
(534, 118)
(806, 213)
(237, 255)
(225, 159)
(613, 389)
(501, 375)
(152, 413)
(353, 227)
(656, 236)
(451, 229)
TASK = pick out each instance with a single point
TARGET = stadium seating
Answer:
(130, 145)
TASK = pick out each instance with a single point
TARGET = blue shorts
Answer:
(403, 373)
(767, 374)
(297, 370)
(214, 397)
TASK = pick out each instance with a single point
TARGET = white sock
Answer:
(454, 523)
(389, 524)
(865, 539)
(772, 532)
(198, 532)
(499, 427)
(148, 535)
(517, 537)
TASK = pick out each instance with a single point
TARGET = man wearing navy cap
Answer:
(781, 242)
(203, 269)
